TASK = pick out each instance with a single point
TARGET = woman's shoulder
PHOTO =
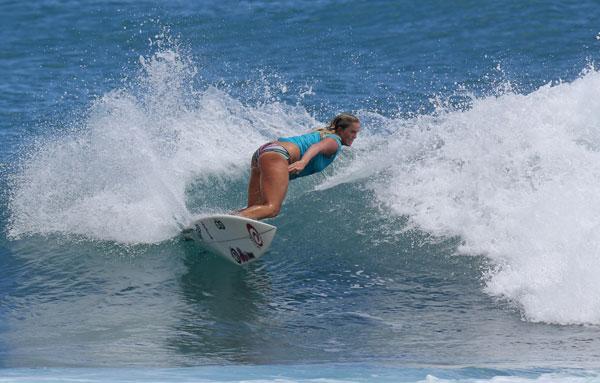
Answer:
(337, 138)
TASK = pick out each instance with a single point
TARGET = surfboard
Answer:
(237, 239)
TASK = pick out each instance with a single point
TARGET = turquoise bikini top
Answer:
(318, 162)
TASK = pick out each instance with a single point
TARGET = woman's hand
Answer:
(297, 167)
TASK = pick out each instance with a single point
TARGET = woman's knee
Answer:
(273, 210)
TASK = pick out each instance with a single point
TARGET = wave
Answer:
(517, 177)
(122, 172)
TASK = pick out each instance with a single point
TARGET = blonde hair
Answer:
(341, 121)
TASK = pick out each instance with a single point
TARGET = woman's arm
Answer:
(327, 146)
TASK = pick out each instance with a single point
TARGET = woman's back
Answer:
(304, 141)
(320, 161)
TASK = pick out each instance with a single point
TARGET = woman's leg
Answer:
(274, 179)
(254, 197)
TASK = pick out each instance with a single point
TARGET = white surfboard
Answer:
(238, 239)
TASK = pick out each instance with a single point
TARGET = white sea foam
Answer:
(544, 378)
(291, 374)
(121, 173)
(517, 177)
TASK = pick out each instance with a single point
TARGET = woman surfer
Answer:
(275, 163)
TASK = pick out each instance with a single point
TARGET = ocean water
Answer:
(457, 240)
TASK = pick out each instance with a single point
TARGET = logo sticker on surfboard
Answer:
(240, 256)
(219, 224)
(254, 235)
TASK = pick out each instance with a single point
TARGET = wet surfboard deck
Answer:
(238, 239)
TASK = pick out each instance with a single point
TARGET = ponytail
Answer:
(341, 121)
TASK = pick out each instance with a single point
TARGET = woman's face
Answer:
(349, 134)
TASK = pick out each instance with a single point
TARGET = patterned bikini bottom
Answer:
(270, 147)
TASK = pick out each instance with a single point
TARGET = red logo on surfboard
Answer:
(254, 235)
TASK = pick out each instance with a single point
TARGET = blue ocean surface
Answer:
(457, 240)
